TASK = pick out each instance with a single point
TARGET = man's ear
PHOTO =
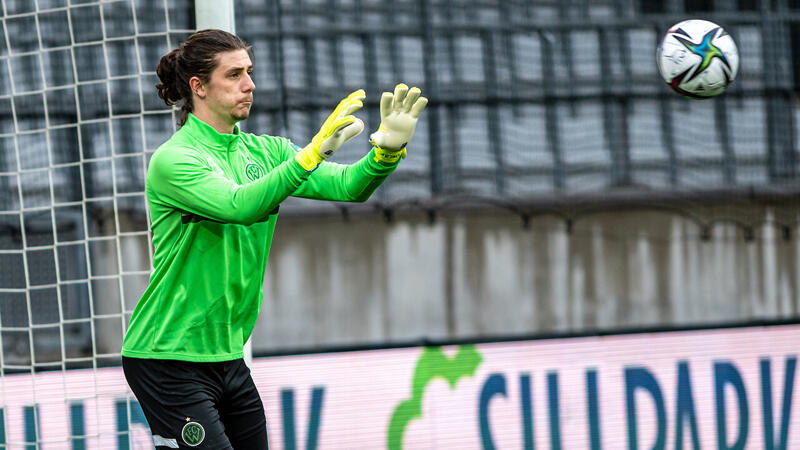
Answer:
(197, 86)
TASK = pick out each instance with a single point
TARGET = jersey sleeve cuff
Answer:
(378, 160)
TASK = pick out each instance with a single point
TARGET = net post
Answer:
(215, 14)
(220, 14)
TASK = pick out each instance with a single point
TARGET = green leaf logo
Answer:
(432, 364)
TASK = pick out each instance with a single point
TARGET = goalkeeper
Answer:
(213, 194)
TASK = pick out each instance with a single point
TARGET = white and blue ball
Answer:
(697, 59)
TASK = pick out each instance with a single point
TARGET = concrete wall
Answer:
(365, 281)
(335, 282)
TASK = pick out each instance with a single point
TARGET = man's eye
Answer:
(234, 75)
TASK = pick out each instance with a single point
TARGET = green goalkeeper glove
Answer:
(339, 127)
(399, 114)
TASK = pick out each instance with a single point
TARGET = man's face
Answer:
(229, 91)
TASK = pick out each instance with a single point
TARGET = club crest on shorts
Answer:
(254, 171)
(193, 434)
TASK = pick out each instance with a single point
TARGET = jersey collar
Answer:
(208, 136)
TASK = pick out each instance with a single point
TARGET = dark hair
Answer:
(197, 57)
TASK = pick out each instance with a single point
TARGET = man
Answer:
(213, 194)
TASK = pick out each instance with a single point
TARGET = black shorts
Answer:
(212, 406)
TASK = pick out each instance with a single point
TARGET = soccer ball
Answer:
(697, 59)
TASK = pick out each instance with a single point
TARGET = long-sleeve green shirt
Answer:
(213, 202)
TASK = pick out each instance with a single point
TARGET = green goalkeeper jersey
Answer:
(213, 202)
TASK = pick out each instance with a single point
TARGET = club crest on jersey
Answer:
(254, 171)
(193, 434)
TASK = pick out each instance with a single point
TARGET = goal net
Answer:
(78, 119)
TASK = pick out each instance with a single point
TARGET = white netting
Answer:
(79, 117)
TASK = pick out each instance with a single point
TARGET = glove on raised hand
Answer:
(339, 127)
(399, 114)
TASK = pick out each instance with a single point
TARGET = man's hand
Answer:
(339, 127)
(399, 114)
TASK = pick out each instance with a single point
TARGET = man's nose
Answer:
(249, 86)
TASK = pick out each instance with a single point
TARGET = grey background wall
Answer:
(484, 274)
